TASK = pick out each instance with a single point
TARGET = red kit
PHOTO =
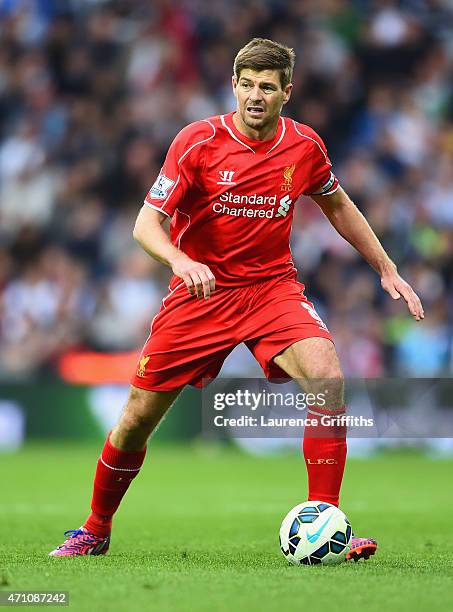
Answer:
(231, 202)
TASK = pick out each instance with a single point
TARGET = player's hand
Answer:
(199, 279)
(397, 287)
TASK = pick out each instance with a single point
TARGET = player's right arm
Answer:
(152, 237)
(180, 173)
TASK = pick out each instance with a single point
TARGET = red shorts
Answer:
(191, 337)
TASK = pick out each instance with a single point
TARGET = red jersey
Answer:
(231, 198)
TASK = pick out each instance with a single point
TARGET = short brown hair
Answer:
(264, 54)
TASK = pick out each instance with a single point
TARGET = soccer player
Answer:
(229, 185)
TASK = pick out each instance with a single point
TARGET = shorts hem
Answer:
(157, 388)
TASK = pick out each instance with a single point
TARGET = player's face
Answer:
(260, 99)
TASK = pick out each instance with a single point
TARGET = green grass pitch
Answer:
(199, 531)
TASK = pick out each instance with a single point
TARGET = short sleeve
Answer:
(322, 181)
(181, 168)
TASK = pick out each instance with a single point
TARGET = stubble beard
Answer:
(255, 123)
(259, 124)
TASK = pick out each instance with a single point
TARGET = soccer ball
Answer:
(315, 532)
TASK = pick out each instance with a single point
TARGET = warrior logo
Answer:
(226, 177)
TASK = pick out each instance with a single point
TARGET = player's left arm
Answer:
(352, 225)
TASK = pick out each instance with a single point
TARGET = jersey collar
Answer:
(255, 146)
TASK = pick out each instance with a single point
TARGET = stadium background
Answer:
(91, 94)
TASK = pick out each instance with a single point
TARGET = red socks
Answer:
(324, 449)
(114, 473)
(325, 455)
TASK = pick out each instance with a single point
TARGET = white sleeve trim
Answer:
(197, 143)
(156, 208)
(323, 194)
(312, 139)
(328, 192)
(183, 156)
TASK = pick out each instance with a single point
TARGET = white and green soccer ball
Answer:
(315, 532)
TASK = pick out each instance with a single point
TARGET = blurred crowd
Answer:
(92, 93)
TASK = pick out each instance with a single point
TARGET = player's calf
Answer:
(120, 462)
(142, 414)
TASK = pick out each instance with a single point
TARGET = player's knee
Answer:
(324, 373)
(327, 367)
(331, 371)
(144, 410)
(327, 381)
(132, 422)
(137, 397)
(136, 415)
